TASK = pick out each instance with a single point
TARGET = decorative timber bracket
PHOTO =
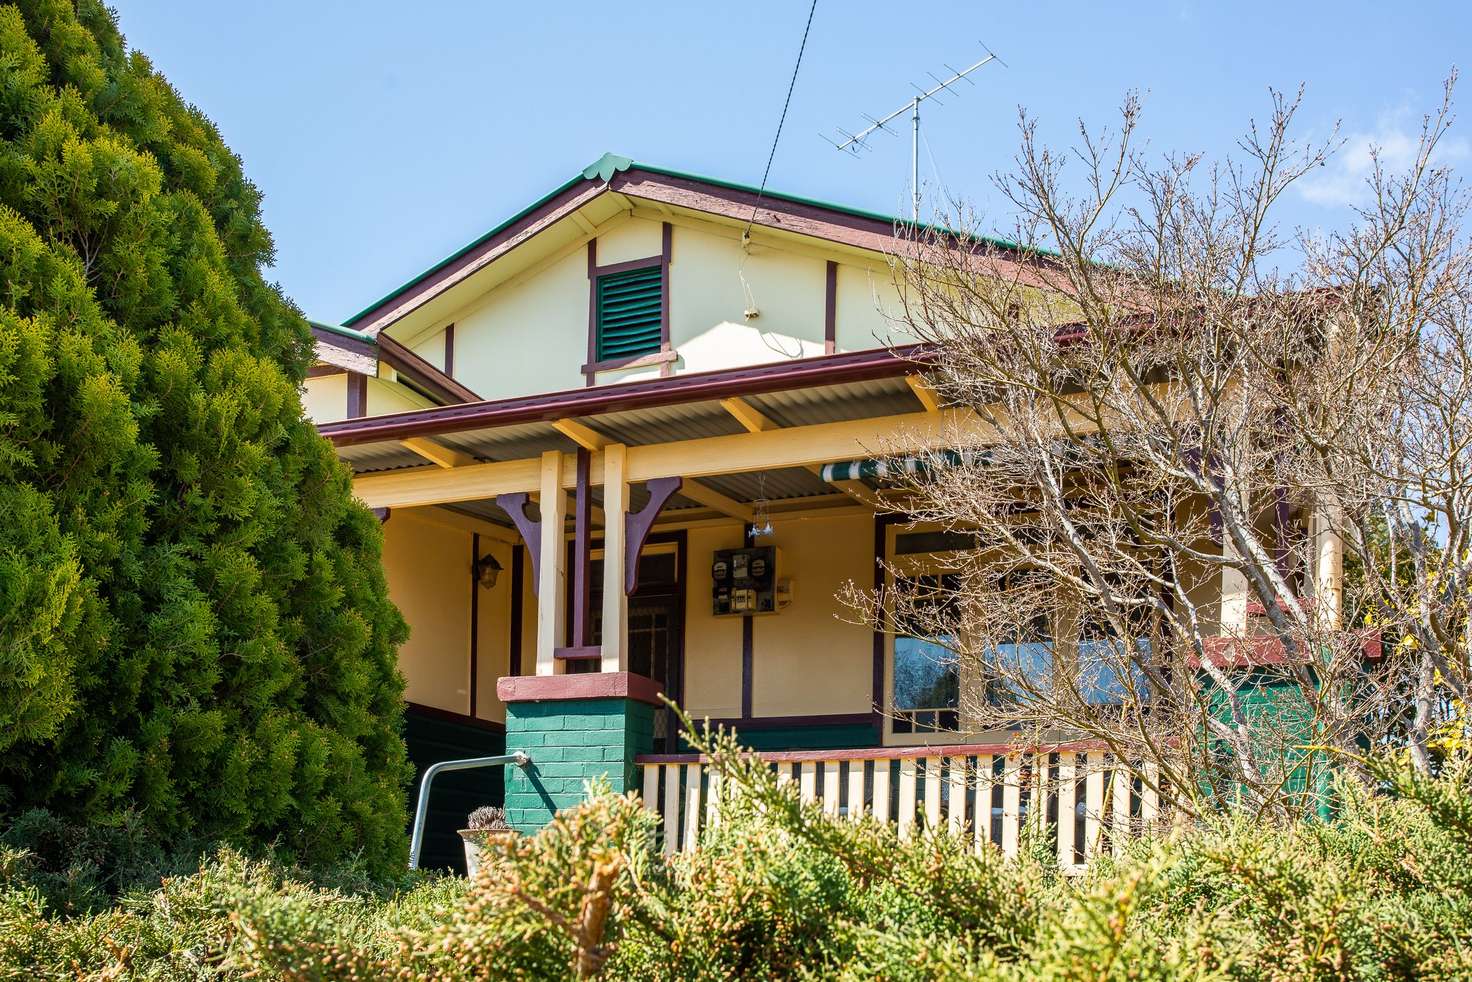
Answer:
(514, 504)
(637, 525)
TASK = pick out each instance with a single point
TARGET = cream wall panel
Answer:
(1199, 581)
(326, 398)
(632, 239)
(707, 302)
(390, 397)
(432, 349)
(808, 659)
(427, 565)
(728, 345)
(493, 637)
(529, 336)
(869, 310)
(629, 375)
(712, 644)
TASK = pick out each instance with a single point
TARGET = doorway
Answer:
(656, 625)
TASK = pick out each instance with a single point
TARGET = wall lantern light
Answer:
(486, 570)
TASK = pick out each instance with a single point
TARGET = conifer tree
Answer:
(194, 623)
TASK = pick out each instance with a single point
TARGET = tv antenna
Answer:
(854, 142)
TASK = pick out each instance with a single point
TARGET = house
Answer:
(619, 446)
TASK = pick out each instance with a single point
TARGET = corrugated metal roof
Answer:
(368, 457)
(665, 424)
(484, 508)
(831, 403)
(517, 442)
(639, 497)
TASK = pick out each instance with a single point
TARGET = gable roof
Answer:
(613, 173)
(355, 351)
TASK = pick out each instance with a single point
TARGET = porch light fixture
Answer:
(486, 570)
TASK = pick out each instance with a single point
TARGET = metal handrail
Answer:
(421, 808)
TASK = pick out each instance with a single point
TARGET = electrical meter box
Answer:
(744, 581)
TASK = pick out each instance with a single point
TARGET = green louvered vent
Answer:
(630, 305)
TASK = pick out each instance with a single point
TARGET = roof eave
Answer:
(799, 373)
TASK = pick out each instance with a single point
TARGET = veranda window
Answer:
(926, 674)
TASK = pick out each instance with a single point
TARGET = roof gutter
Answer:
(800, 373)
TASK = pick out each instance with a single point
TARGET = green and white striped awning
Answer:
(881, 468)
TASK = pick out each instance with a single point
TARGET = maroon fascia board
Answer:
(416, 369)
(401, 301)
(855, 366)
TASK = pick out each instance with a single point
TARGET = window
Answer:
(630, 313)
(933, 692)
(1106, 661)
(1023, 649)
(926, 693)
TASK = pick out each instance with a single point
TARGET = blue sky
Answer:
(386, 135)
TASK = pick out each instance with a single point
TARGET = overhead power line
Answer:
(781, 120)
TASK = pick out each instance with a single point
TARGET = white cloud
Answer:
(1342, 181)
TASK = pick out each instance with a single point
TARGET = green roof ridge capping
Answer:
(346, 332)
(606, 166)
(611, 163)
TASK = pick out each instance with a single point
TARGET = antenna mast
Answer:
(854, 142)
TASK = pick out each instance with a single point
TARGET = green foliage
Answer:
(194, 626)
(779, 891)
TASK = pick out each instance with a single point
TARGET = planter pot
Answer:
(475, 842)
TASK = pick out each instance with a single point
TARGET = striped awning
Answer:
(880, 468)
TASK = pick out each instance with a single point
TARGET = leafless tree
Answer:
(1161, 440)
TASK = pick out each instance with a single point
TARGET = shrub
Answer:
(195, 636)
(777, 890)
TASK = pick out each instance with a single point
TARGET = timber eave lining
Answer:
(820, 370)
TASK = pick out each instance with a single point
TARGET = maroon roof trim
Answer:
(855, 366)
(871, 233)
(405, 300)
(805, 219)
(343, 342)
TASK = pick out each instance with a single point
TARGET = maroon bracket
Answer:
(637, 526)
(514, 504)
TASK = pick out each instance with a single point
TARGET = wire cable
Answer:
(745, 235)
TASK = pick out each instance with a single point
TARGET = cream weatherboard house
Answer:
(618, 447)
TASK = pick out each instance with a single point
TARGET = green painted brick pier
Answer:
(576, 729)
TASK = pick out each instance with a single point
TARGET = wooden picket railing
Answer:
(1075, 796)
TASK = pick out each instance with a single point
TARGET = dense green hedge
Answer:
(779, 891)
(194, 626)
